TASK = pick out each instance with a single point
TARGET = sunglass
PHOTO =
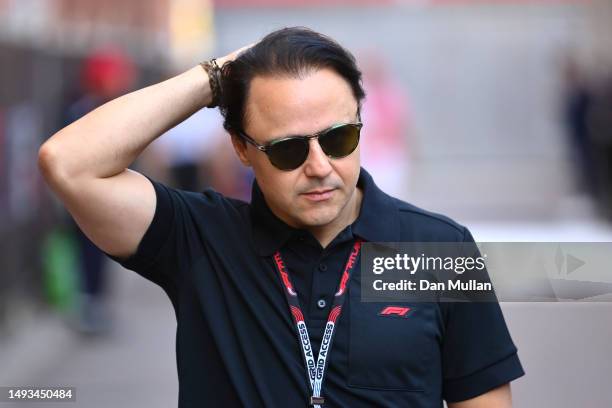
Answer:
(289, 153)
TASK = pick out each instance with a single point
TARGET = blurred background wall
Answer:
(496, 113)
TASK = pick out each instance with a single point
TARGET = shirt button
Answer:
(321, 303)
(322, 267)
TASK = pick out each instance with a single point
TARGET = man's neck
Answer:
(326, 233)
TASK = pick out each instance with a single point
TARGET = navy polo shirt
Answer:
(236, 343)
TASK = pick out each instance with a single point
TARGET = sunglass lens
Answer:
(341, 141)
(288, 154)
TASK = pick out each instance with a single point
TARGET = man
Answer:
(233, 270)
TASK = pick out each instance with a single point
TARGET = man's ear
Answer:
(240, 147)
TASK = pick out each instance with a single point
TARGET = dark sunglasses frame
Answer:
(267, 146)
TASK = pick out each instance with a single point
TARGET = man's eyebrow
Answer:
(309, 134)
(301, 134)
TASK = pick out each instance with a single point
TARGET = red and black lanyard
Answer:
(316, 371)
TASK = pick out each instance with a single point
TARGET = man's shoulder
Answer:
(418, 214)
(417, 223)
(206, 203)
(207, 196)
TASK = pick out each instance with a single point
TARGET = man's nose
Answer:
(317, 163)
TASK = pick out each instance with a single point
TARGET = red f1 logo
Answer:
(395, 311)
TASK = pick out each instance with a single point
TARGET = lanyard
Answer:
(316, 371)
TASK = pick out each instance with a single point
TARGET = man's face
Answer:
(321, 190)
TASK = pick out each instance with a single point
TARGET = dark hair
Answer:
(292, 52)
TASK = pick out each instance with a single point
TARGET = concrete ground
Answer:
(133, 366)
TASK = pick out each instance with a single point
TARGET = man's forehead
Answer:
(278, 106)
(307, 125)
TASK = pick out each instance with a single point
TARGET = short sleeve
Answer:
(160, 253)
(478, 353)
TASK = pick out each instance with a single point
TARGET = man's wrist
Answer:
(201, 83)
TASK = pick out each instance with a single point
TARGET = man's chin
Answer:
(319, 218)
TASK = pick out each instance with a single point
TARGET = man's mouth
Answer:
(319, 194)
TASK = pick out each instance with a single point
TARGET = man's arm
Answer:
(85, 163)
(499, 397)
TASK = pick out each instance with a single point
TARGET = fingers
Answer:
(232, 56)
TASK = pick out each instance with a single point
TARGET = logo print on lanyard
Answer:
(284, 275)
(316, 371)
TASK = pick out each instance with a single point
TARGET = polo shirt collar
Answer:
(378, 219)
